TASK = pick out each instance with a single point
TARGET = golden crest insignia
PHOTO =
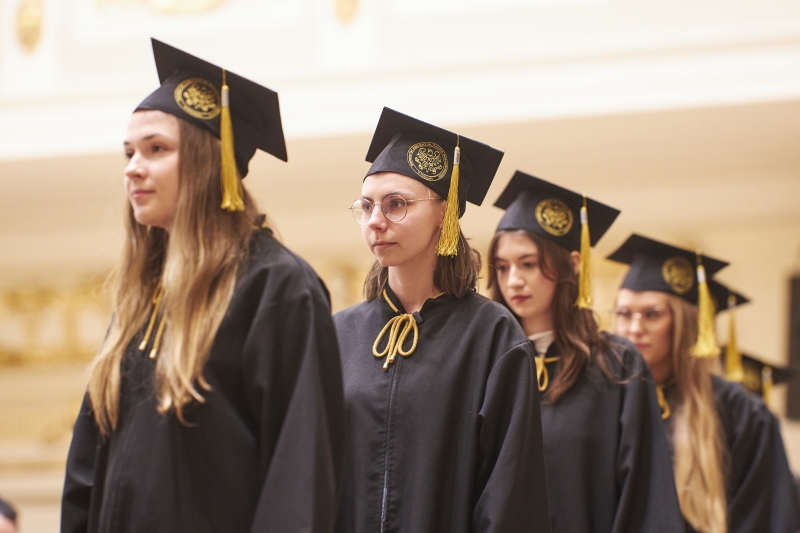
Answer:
(678, 272)
(554, 216)
(199, 98)
(428, 160)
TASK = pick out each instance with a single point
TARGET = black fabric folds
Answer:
(447, 439)
(607, 460)
(264, 453)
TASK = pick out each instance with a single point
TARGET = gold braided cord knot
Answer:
(397, 337)
(542, 375)
(662, 403)
(399, 328)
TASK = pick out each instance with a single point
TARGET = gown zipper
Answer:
(389, 424)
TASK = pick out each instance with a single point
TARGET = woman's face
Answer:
(412, 239)
(151, 176)
(644, 318)
(522, 282)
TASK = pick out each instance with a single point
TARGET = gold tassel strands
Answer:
(229, 176)
(734, 371)
(585, 298)
(706, 339)
(451, 230)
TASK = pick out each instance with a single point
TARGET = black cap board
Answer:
(657, 266)
(754, 369)
(535, 205)
(424, 152)
(722, 296)
(190, 90)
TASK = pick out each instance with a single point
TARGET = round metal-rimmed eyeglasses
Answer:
(648, 317)
(393, 206)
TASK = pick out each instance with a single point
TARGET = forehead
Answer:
(383, 183)
(640, 299)
(512, 244)
(143, 123)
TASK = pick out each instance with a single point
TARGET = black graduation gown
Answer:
(264, 453)
(760, 488)
(607, 460)
(448, 439)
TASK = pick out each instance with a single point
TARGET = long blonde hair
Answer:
(701, 457)
(196, 264)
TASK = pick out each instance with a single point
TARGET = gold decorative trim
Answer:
(554, 216)
(428, 160)
(199, 98)
(678, 272)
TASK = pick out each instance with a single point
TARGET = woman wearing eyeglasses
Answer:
(730, 467)
(443, 423)
(607, 462)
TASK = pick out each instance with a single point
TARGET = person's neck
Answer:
(413, 283)
(537, 324)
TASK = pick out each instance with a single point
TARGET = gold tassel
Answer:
(734, 371)
(766, 384)
(231, 186)
(585, 298)
(706, 340)
(662, 403)
(451, 231)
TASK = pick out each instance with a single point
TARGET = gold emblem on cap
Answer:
(199, 98)
(554, 216)
(678, 272)
(428, 160)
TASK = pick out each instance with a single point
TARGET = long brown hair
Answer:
(196, 264)
(577, 334)
(454, 276)
(701, 459)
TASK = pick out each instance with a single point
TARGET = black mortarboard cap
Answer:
(724, 297)
(756, 372)
(425, 152)
(657, 266)
(191, 90)
(535, 205)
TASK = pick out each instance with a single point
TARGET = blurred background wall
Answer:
(685, 114)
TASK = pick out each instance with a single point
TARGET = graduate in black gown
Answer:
(215, 403)
(608, 466)
(730, 465)
(444, 430)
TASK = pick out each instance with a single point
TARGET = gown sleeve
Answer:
(293, 383)
(648, 499)
(79, 478)
(762, 492)
(511, 492)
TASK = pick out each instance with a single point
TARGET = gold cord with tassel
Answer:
(662, 403)
(585, 298)
(706, 339)
(229, 176)
(451, 231)
(734, 371)
(397, 337)
(542, 375)
(157, 297)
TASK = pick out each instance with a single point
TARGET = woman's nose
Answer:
(377, 220)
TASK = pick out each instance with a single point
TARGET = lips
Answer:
(380, 246)
(139, 194)
(520, 299)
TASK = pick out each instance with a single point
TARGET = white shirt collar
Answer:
(542, 341)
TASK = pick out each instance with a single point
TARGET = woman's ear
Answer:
(575, 257)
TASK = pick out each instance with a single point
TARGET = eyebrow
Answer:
(526, 256)
(145, 138)
(395, 193)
